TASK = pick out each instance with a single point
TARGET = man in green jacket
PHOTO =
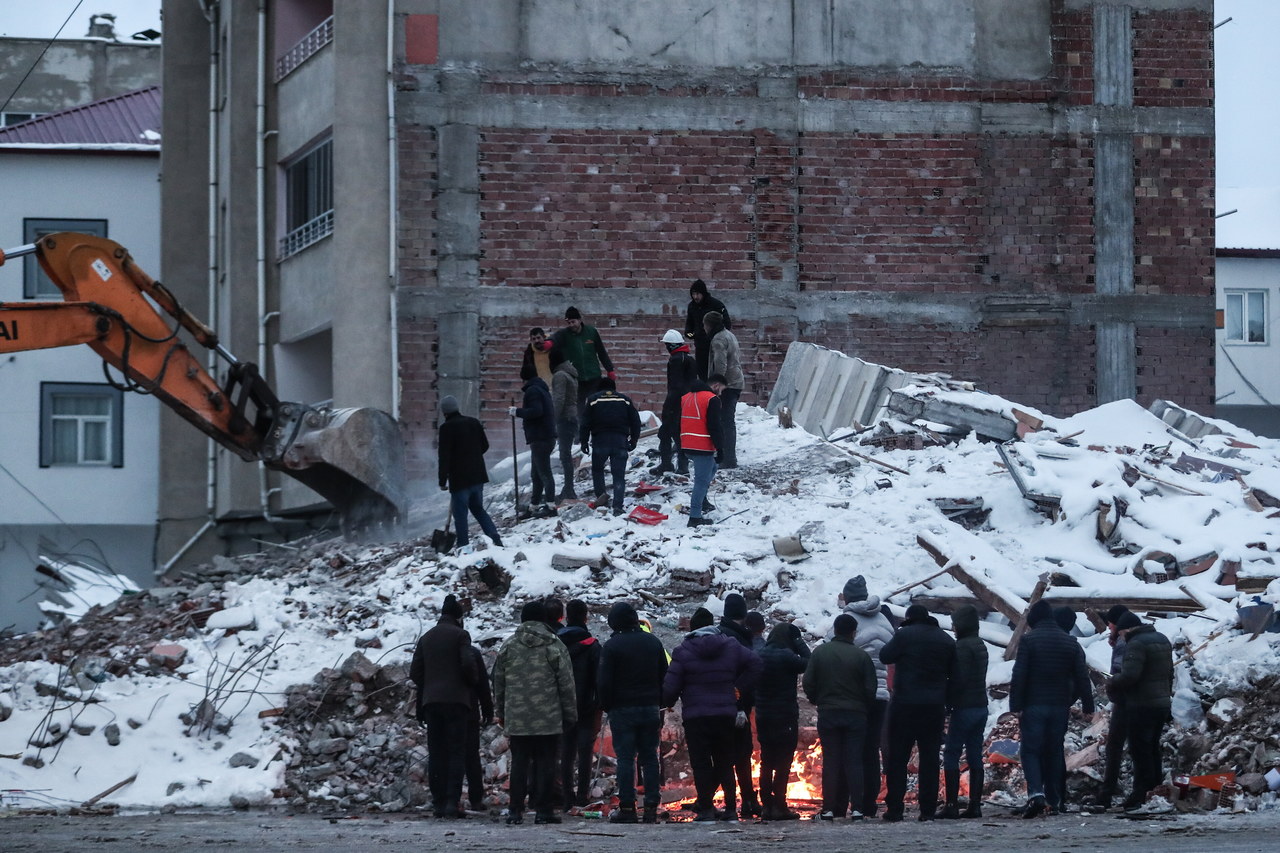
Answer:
(535, 701)
(582, 346)
(841, 682)
(1145, 680)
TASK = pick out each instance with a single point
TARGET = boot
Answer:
(624, 814)
(951, 811)
(975, 793)
(663, 467)
(650, 815)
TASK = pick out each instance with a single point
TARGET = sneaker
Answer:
(950, 811)
(827, 815)
(891, 817)
(705, 816)
(708, 506)
(624, 815)
(1035, 807)
(663, 468)
(855, 816)
(698, 522)
(545, 511)
(514, 819)
(727, 816)
(617, 511)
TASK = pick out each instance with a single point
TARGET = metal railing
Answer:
(304, 49)
(304, 235)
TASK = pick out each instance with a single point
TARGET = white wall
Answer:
(1257, 362)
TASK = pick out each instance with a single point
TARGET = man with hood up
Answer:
(967, 703)
(707, 670)
(784, 657)
(539, 416)
(1049, 674)
(535, 701)
(681, 374)
(633, 665)
(725, 362)
(564, 399)
(700, 304)
(1145, 681)
(1118, 719)
(444, 671)
(924, 658)
(734, 623)
(874, 630)
(579, 742)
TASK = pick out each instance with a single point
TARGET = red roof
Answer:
(121, 120)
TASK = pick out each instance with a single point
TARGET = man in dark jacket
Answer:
(611, 425)
(1117, 718)
(1145, 681)
(967, 702)
(462, 444)
(681, 374)
(784, 656)
(841, 682)
(1049, 674)
(579, 742)
(700, 438)
(581, 344)
(481, 715)
(734, 623)
(444, 671)
(924, 657)
(539, 418)
(707, 670)
(725, 367)
(700, 304)
(633, 665)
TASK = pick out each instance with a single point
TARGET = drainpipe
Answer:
(393, 203)
(260, 136)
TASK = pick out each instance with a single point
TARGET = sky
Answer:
(1248, 92)
(42, 18)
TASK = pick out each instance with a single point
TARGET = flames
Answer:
(805, 784)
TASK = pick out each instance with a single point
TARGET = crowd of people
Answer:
(882, 688)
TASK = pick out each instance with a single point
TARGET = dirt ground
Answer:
(998, 833)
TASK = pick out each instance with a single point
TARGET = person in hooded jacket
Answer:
(727, 363)
(535, 701)
(461, 445)
(1145, 680)
(701, 303)
(579, 742)
(874, 630)
(539, 416)
(681, 374)
(707, 670)
(564, 399)
(734, 623)
(1066, 619)
(1118, 720)
(924, 657)
(444, 671)
(784, 656)
(633, 664)
(481, 715)
(967, 705)
(1049, 674)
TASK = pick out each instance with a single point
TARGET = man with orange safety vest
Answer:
(700, 439)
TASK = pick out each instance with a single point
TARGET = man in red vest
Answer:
(700, 439)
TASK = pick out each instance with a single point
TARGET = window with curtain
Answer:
(1246, 320)
(81, 424)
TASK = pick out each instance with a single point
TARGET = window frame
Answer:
(308, 197)
(35, 227)
(114, 420)
(1240, 297)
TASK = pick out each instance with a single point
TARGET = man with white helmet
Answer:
(681, 371)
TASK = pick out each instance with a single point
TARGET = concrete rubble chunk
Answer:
(243, 759)
(358, 668)
(167, 655)
(112, 733)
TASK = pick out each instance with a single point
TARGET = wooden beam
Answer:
(1059, 597)
(1021, 628)
(1009, 606)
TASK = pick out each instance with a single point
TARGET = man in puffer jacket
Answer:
(539, 417)
(967, 702)
(1145, 681)
(874, 630)
(535, 701)
(707, 670)
(1049, 673)
(579, 741)
(924, 658)
(785, 656)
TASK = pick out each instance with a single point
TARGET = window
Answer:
(10, 119)
(1247, 316)
(81, 424)
(308, 199)
(35, 284)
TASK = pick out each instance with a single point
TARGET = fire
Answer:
(805, 784)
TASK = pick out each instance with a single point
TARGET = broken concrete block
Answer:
(167, 655)
(1224, 710)
(574, 560)
(243, 759)
(112, 733)
(358, 668)
(232, 619)
(1252, 783)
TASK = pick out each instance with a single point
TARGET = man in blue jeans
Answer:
(701, 438)
(967, 702)
(632, 666)
(612, 425)
(462, 444)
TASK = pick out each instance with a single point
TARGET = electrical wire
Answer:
(47, 45)
(1244, 378)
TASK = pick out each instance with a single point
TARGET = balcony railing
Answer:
(300, 52)
(304, 235)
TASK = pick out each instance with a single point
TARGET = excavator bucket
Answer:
(354, 458)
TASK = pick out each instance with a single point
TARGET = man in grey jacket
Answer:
(725, 362)
(564, 399)
(874, 630)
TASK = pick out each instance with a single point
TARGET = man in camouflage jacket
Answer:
(535, 701)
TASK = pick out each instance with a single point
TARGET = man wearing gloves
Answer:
(681, 374)
(581, 344)
(539, 418)
(610, 429)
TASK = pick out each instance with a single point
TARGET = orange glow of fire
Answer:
(805, 784)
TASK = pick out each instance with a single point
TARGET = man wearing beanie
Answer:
(734, 623)
(1117, 718)
(923, 656)
(725, 362)
(632, 667)
(581, 345)
(967, 703)
(444, 670)
(535, 701)
(707, 670)
(681, 374)
(840, 681)
(579, 742)
(1049, 674)
(461, 446)
(784, 657)
(874, 630)
(1145, 682)
(610, 430)
(701, 303)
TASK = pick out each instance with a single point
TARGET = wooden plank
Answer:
(116, 787)
(1059, 597)
(1021, 627)
(973, 580)
(914, 584)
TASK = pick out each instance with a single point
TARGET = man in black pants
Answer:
(734, 624)
(1118, 720)
(481, 715)
(579, 741)
(612, 425)
(1146, 682)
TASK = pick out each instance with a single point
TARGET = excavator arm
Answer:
(354, 458)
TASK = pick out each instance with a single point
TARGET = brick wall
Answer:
(1173, 215)
(1175, 365)
(1172, 58)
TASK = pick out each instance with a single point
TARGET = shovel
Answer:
(443, 540)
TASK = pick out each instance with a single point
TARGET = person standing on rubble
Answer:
(707, 670)
(535, 701)
(537, 356)
(610, 430)
(1118, 719)
(581, 344)
(564, 399)
(1056, 794)
(461, 446)
(784, 656)
(840, 681)
(923, 656)
(444, 671)
(481, 716)
(700, 438)
(681, 374)
(734, 623)
(967, 706)
(874, 630)
(579, 742)
(1049, 674)
(726, 364)
(633, 664)
(702, 303)
(1145, 681)
(539, 416)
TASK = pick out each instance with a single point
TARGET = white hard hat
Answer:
(672, 337)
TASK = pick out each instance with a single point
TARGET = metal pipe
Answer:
(169, 564)
(260, 216)
(213, 15)
(392, 204)
(20, 252)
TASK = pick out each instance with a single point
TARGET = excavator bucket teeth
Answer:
(354, 458)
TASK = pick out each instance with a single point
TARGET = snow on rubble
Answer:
(280, 677)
